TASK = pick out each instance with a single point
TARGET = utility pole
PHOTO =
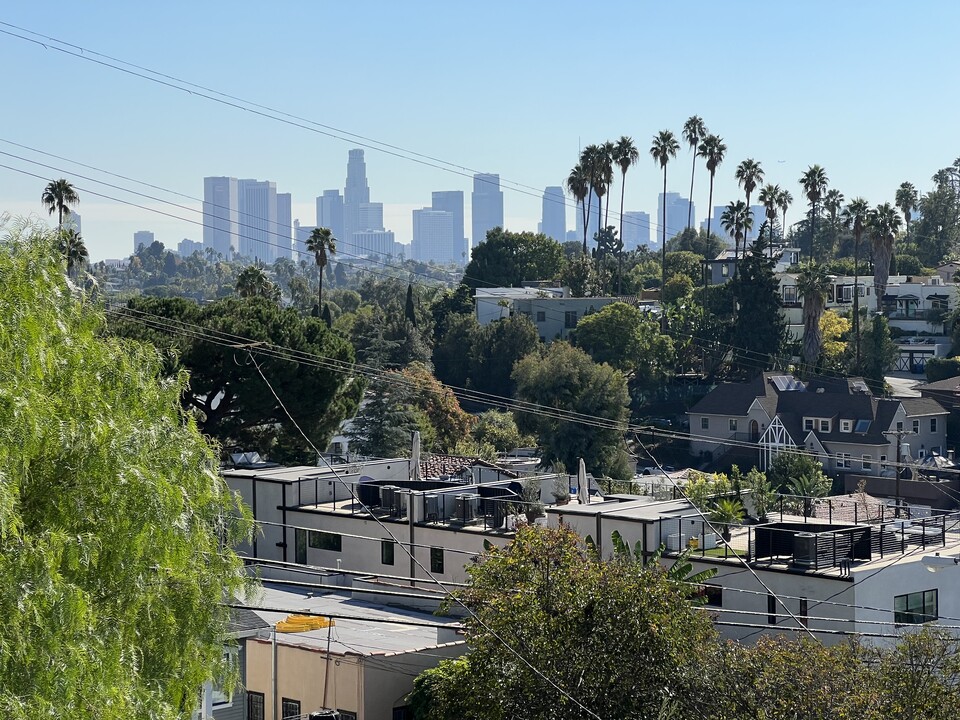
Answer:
(899, 434)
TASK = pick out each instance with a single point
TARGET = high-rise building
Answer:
(716, 224)
(374, 242)
(257, 219)
(300, 235)
(330, 212)
(356, 192)
(486, 205)
(451, 201)
(433, 237)
(678, 208)
(593, 219)
(554, 214)
(142, 238)
(636, 229)
(284, 235)
(220, 219)
(187, 247)
(71, 221)
(370, 216)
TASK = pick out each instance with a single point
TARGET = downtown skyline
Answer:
(122, 123)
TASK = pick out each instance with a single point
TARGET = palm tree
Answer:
(59, 195)
(712, 150)
(769, 197)
(321, 243)
(604, 177)
(749, 174)
(832, 203)
(814, 182)
(737, 221)
(590, 160)
(727, 512)
(812, 285)
(578, 185)
(884, 224)
(253, 282)
(907, 200)
(73, 249)
(664, 147)
(855, 216)
(784, 202)
(625, 154)
(694, 130)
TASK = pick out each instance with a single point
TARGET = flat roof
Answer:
(350, 637)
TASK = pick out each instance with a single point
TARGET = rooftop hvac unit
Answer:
(431, 507)
(368, 495)
(388, 496)
(465, 508)
(676, 542)
(804, 549)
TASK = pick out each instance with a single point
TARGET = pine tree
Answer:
(759, 330)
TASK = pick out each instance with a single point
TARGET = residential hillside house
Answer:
(836, 571)
(721, 268)
(552, 310)
(838, 420)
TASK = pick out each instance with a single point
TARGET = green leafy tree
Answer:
(115, 526)
(623, 337)
(58, 196)
(727, 512)
(229, 399)
(506, 259)
(759, 330)
(496, 349)
(880, 353)
(787, 467)
(438, 404)
(583, 277)
(557, 604)
(814, 181)
(565, 378)
(499, 430)
(677, 289)
(386, 420)
(685, 263)
(697, 242)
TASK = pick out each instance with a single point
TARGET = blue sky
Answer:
(868, 90)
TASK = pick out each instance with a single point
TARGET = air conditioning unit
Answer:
(388, 494)
(676, 542)
(369, 495)
(805, 549)
(431, 507)
(466, 508)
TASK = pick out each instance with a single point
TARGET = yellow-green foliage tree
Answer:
(115, 527)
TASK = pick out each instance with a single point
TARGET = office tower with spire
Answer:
(220, 219)
(356, 193)
(486, 205)
(553, 218)
(451, 201)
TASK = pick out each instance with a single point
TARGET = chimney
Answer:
(950, 454)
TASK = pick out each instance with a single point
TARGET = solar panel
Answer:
(787, 383)
(862, 426)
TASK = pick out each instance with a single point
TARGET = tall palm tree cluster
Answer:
(59, 196)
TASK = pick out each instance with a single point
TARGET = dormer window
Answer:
(824, 426)
(808, 424)
(846, 426)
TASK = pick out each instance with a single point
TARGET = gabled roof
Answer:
(922, 406)
(951, 384)
(435, 466)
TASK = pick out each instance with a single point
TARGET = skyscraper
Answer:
(142, 238)
(374, 242)
(676, 219)
(330, 212)
(433, 237)
(356, 192)
(636, 229)
(370, 217)
(220, 220)
(451, 201)
(554, 214)
(187, 247)
(284, 226)
(257, 212)
(486, 205)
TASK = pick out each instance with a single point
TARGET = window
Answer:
(724, 270)
(824, 426)
(733, 424)
(337, 448)
(222, 695)
(436, 560)
(916, 427)
(300, 542)
(570, 319)
(712, 594)
(899, 426)
(843, 460)
(808, 423)
(386, 552)
(325, 540)
(402, 713)
(802, 615)
(347, 715)
(704, 423)
(862, 426)
(933, 425)
(541, 316)
(921, 453)
(846, 425)
(289, 708)
(915, 608)
(789, 293)
(771, 610)
(867, 462)
(254, 705)
(883, 462)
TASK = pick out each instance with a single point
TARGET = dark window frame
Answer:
(908, 616)
(300, 546)
(256, 709)
(570, 319)
(387, 548)
(436, 560)
(289, 708)
(322, 540)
